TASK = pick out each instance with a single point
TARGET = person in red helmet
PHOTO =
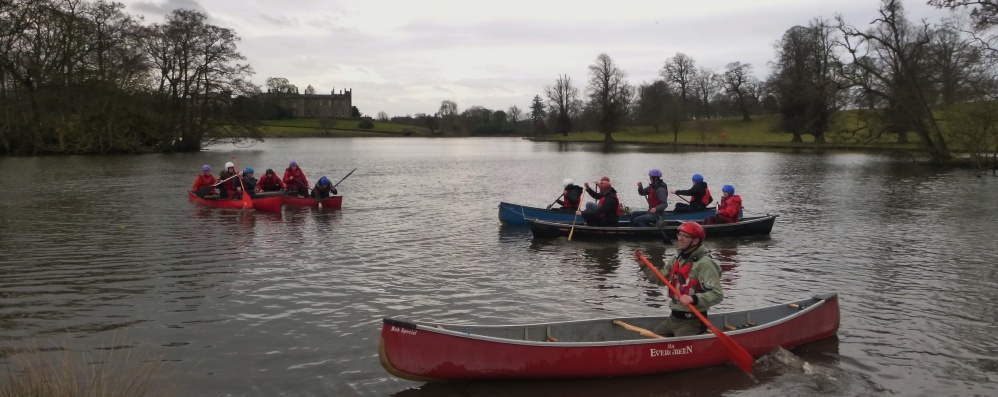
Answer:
(695, 275)
(606, 210)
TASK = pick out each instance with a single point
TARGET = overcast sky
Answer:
(405, 57)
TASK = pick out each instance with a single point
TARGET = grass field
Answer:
(342, 128)
(761, 131)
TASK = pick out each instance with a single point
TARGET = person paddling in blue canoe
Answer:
(571, 196)
(657, 195)
(699, 196)
(729, 208)
(606, 210)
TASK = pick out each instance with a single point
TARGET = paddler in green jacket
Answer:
(696, 276)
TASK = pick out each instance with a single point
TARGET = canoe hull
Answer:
(760, 225)
(515, 215)
(267, 204)
(425, 353)
(329, 202)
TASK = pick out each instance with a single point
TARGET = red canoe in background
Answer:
(593, 348)
(328, 202)
(267, 204)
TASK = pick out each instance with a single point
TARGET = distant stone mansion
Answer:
(320, 105)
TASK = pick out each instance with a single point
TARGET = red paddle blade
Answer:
(247, 202)
(739, 355)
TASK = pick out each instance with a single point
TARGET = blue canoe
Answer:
(514, 214)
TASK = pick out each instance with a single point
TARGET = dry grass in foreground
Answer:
(114, 372)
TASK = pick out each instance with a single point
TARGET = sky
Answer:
(406, 57)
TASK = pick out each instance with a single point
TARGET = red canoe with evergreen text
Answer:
(593, 348)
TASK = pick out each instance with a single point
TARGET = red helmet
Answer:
(693, 229)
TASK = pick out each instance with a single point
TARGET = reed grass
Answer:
(117, 371)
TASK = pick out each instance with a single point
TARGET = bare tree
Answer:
(609, 94)
(955, 62)
(678, 72)
(448, 116)
(327, 124)
(889, 63)
(514, 113)
(382, 116)
(983, 12)
(705, 84)
(563, 100)
(739, 83)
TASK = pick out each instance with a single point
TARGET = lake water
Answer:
(106, 253)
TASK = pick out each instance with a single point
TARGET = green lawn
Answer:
(343, 128)
(731, 131)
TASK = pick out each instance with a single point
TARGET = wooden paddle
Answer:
(739, 355)
(247, 201)
(637, 329)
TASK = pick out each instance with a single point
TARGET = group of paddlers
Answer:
(231, 184)
(606, 210)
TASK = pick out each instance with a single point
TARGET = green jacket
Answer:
(704, 270)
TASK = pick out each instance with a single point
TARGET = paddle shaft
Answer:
(658, 216)
(247, 202)
(683, 198)
(556, 201)
(739, 355)
(225, 180)
(341, 180)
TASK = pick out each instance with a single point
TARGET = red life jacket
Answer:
(652, 196)
(270, 181)
(229, 184)
(600, 203)
(299, 176)
(680, 278)
(204, 181)
(706, 197)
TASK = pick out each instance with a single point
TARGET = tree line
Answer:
(893, 78)
(86, 77)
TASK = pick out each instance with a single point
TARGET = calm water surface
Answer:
(106, 252)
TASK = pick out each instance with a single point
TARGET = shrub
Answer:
(366, 124)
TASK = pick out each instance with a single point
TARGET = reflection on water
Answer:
(264, 304)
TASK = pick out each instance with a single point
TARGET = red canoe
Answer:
(593, 348)
(268, 204)
(329, 202)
